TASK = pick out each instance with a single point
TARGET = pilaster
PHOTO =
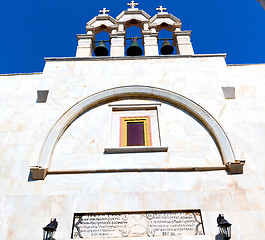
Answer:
(150, 41)
(182, 42)
(117, 44)
(85, 45)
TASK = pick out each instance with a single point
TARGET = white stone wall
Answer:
(82, 145)
(26, 206)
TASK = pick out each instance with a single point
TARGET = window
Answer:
(135, 131)
(135, 127)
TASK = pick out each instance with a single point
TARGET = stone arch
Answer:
(139, 92)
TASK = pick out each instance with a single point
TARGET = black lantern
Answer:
(224, 226)
(50, 229)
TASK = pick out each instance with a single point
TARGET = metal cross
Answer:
(132, 4)
(104, 11)
(161, 9)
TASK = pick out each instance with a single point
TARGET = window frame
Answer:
(134, 110)
(124, 130)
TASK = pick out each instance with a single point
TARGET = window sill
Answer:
(135, 149)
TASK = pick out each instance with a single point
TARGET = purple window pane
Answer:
(135, 134)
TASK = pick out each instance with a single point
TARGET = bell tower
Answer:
(150, 28)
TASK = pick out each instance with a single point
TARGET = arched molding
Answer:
(165, 21)
(138, 15)
(135, 92)
(101, 23)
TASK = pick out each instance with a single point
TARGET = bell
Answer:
(134, 49)
(166, 48)
(101, 49)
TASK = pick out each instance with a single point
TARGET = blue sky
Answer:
(31, 30)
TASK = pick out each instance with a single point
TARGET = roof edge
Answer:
(55, 59)
(14, 74)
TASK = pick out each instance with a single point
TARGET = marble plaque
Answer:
(137, 224)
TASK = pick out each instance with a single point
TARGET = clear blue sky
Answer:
(32, 29)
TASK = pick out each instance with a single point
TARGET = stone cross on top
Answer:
(104, 11)
(132, 4)
(161, 9)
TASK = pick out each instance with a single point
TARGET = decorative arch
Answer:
(135, 92)
(165, 21)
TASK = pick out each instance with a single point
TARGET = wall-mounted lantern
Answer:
(50, 229)
(224, 226)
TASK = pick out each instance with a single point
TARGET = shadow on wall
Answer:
(30, 178)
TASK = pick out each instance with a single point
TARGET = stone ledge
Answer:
(55, 59)
(125, 107)
(135, 149)
(122, 170)
(39, 173)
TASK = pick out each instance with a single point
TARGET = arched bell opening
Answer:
(102, 42)
(102, 28)
(165, 26)
(133, 23)
(165, 43)
(134, 43)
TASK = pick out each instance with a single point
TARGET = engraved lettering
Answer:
(148, 224)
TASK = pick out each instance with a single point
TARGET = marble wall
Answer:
(26, 205)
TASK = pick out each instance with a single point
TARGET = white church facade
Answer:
(144, 146)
